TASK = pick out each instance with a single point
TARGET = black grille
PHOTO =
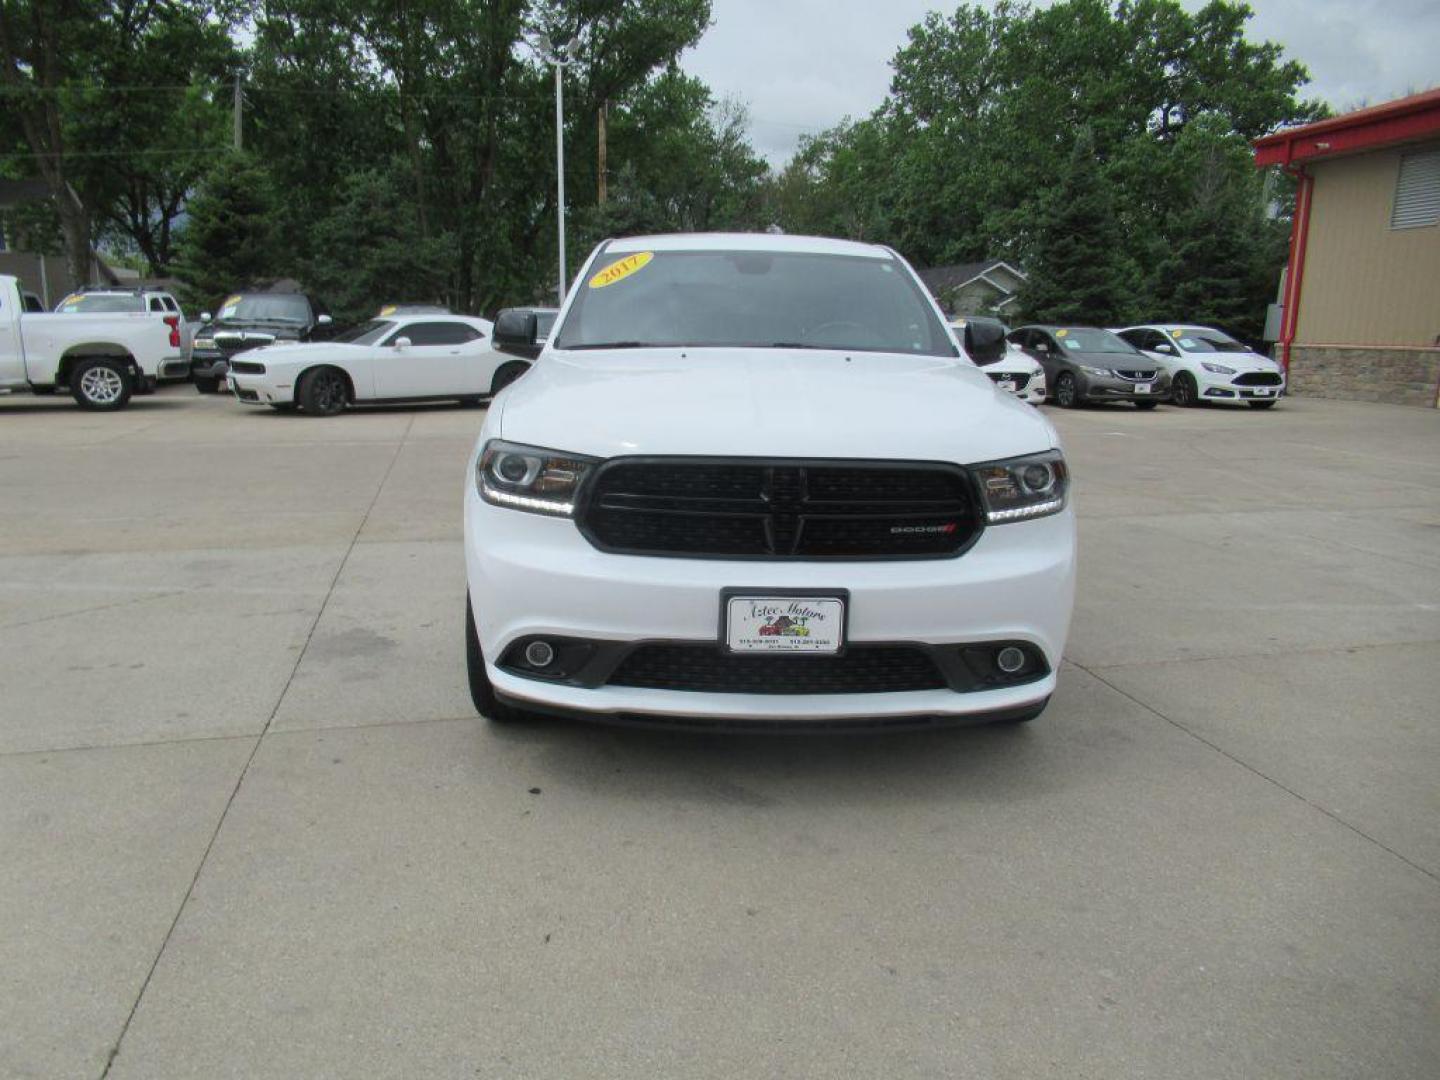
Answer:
(1135, 376)
(862, 669)
(230, 344)
(762, 509)
(247, 367)
(1257, 378)
(1019, 378)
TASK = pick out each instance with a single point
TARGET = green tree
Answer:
(1078, 272)
(232, 239)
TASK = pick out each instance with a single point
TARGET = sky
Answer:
(800, 66)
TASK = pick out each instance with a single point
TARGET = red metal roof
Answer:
(1402, 120)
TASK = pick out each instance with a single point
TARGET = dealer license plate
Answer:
(1263, 393)
(809, 624)
(1006, 384)
(1142, 387)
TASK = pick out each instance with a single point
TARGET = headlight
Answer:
(1218, 369)
(529, 478)
(1094, 370)
(1025, 487)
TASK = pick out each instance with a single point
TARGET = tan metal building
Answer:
(1361, 298)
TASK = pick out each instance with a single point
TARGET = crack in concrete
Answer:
(254, 750)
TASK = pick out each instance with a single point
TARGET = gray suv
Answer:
(1084, 364)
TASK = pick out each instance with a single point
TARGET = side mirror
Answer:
(516, 332)
(401, 343)
(1040, 346)
(204, 316)
(1164, 347)
(324, 320)
(984, 339)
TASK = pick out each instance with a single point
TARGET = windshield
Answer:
(97, 303)
(266, 307)
(1209, 341)
(367, 333)
(1086, 339)
(753, 299)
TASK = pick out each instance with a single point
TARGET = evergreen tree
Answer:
(1078, 273)
(230, 240)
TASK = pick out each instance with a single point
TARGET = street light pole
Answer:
(561, 57)
(560, 167)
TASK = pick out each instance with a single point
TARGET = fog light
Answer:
(539, 654)
(1010, 659)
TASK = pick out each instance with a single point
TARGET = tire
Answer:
(323, 392)
(1067, 396)
(1261, 404)
(482, 692)
(1184, 393)
(103, 385)
(507, 374)
(206, 384)
(1146, 404)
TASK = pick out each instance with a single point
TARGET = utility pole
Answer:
(238, 109)
(560, 57)
(604, 115)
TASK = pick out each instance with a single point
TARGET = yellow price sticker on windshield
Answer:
(621, 269)
(388, 309)
(1061, 333)
(73, 298)
(1176, 333)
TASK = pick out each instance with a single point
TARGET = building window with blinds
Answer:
(1417, 191)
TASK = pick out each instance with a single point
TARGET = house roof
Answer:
(942, 279)
(1403, 120)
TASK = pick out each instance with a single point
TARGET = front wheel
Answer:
(1183, 391)
(323, 392)
(1066, 392)
(1262, 404)
(103, 384)
(482, 691)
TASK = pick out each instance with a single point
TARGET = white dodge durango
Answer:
(753, 482)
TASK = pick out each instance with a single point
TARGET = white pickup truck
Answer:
(101, 359)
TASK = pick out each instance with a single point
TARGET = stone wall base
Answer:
(1355, 373)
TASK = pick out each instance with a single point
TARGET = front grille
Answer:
(230, 344)
(1135, 376)
(862, 669)
(780, 509)
(1019, 378)
(1257, 378)
(247, 367)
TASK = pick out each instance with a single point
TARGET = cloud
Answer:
(801, 66)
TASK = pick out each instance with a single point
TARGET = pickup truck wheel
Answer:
(323, 392)
(482, 692)
(102, 384)
(507, 374)
(207, 385)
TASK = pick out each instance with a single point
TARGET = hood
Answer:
(1240, 361)
(299, 351)
(769, 403)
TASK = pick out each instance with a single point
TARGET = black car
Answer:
(252, 320)
(1085, 363)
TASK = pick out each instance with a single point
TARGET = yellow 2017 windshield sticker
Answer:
(388, 309)
(1061, 333)
(1176, 333)
(621, 269)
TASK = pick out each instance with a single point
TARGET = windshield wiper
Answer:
(614, 345)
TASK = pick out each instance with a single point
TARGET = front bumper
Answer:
(1033, 391)
(209, 365)
(1114, 388)
(531, 575)
(1222, 388)
(259, 389)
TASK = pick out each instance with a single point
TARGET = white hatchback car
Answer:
(423, 357)
(752, 481)
(1206, 364)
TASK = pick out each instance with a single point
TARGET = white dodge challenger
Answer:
(423, 357)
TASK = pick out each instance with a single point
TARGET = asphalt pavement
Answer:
(251, 827)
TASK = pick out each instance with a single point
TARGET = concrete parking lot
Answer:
(250, 826)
